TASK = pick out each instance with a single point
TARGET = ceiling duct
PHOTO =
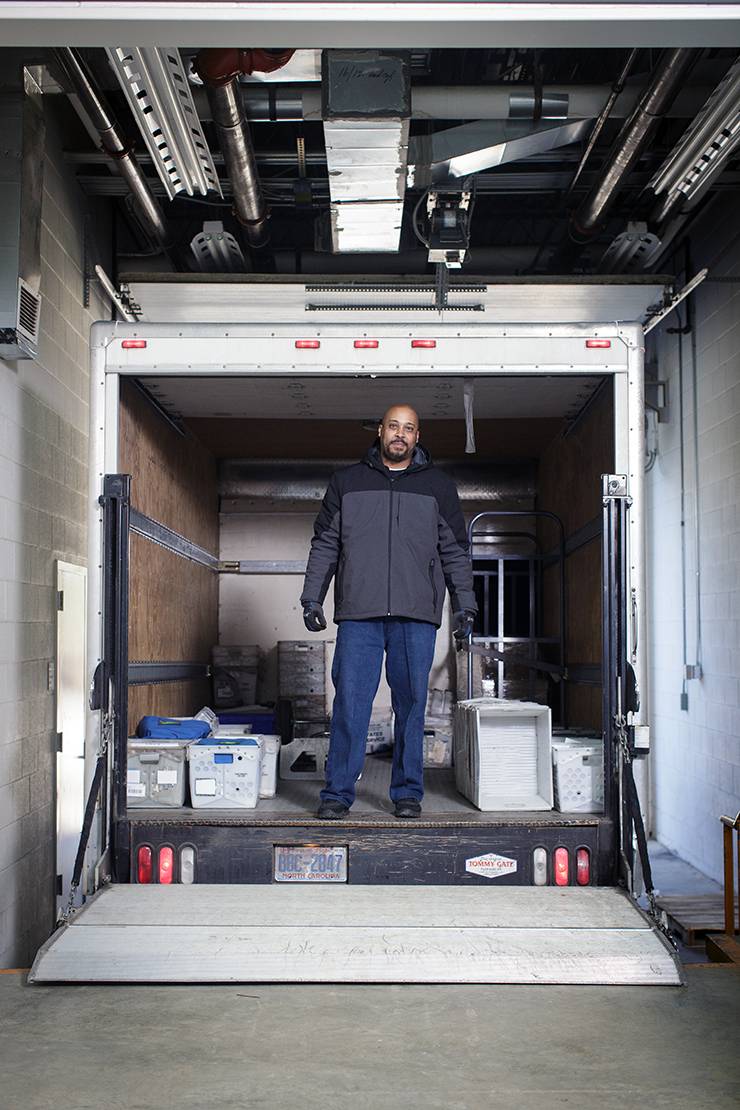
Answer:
(93, 109)
(366, 109)
(652, 106)
(22, 134)
(460, 151)
(156, 87)
(219, 69)
(703, 150)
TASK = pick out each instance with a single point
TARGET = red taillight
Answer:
(560, 866)
(364, 344)
(133, 344)
(583, 867)
(166, 865)
(144, 864)
(307, 344)
(426, 344)
(605, 343)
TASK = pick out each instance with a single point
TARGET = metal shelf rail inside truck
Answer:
(411, 910)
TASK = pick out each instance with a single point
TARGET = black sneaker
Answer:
(332, 811)
(408, 807)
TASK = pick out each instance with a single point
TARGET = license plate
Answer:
(300, 864)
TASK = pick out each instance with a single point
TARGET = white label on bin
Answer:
(167, 778)
(205, 786)
(133, 776)
(490, 865)
(136, 790)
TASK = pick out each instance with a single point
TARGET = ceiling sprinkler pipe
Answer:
(652, 106)
(220, 70)
(114, 144)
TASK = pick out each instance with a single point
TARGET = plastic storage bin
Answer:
(268, 777)
(578, 774)
(155, 773)
(225, 773)
(502, 753)
(304, 758)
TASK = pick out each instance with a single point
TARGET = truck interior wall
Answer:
(569, 485)
(173, 612)
(264, 609)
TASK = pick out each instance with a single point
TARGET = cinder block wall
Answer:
(43, 499)
(696, 752)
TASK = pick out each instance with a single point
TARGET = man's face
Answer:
(399, 434)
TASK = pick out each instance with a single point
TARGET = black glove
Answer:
(463, 626)
(313, 617)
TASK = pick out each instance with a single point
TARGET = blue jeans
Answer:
(408, 646)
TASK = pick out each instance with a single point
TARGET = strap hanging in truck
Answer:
(554, 669)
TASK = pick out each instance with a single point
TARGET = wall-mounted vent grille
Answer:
(29, 312)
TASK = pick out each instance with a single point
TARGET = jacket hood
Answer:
(420, 459)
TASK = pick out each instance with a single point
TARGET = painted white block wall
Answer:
(696, 752)
(43, 497)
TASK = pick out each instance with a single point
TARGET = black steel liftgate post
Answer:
(618, 743)
(116, 502)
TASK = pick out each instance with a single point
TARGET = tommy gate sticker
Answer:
(491, 865)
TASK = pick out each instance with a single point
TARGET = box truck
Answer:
(210, 447)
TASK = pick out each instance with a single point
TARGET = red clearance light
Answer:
(144, 864)
(427, 344)
(133, 344)
(166, 865)
(363, 344)
(583, 866)
(307, 344)
(560, 870)
(605, 343)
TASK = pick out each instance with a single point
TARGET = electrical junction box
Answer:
(225, 773)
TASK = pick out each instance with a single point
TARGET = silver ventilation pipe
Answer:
(95, 107)
(632, 139)
(236, 146)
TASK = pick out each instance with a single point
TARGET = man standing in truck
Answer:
(392, 535)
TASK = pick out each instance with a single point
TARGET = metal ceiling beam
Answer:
(348, 23)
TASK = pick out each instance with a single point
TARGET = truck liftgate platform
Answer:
(357, 934)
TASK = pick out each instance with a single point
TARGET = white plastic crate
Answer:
(156, 773)
(268, 776)
(304, 758)
(225, 772)
(578, 774)
(502, 754)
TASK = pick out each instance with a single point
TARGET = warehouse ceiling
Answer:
(437, 162)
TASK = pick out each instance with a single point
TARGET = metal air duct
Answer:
(652, 106)
(97, 111)
(219, 70)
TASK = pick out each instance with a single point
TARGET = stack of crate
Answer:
(241, 663)
(302, 677)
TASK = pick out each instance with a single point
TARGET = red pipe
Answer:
(219, 65)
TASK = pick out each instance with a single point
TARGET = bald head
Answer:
(399, 434)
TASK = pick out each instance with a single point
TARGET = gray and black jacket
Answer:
(392, 541)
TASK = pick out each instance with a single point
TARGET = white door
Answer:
(71, 704)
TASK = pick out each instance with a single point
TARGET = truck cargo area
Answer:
(234, 466)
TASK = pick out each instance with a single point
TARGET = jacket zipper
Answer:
(434, 584)
(390, 538)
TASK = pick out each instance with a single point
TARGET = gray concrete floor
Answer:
(311, 1047)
